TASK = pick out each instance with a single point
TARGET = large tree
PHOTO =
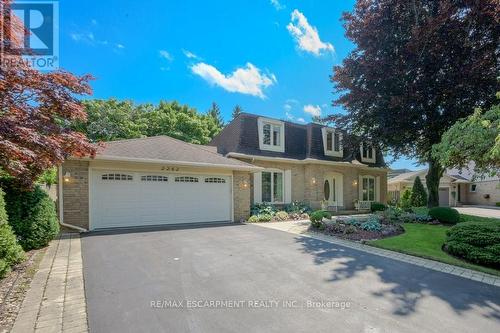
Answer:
(236, 111)
(475, 138)
(214, 112)
(418, 66)
(35, 110)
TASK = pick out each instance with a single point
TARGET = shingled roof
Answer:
(164, 149)
(301, 142)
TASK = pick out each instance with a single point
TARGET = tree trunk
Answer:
(432, 182)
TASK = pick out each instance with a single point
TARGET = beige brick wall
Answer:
(477, 198)
(303, 188)
(76, 193)
(241, 195)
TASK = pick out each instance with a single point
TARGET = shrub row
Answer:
(477, 242)
(11, 252)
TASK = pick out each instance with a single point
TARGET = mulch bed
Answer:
(345, 232)
(14, 286)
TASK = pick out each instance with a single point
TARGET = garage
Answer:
(127, 198)
(444, 197)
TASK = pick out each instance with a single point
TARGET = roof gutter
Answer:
(304, 161)
(247, 167)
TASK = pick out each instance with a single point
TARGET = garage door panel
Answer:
(150, 199)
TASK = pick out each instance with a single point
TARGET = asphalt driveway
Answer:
(244, 278)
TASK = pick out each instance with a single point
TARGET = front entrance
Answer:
(333, 189)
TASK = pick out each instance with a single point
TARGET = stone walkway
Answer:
(480, 211)
(55, 301)
(301, 228)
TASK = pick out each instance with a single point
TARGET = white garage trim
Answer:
(218, 209)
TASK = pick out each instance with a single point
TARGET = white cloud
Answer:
(277, 5)
(190, 54)
(287, 107)
(245, 80)
(301, 120)
(306, 35)
(313, 110)
(164, 54)
(120, 46)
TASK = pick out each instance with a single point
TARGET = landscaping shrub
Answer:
(372, 224)
(445, 214)
(477, 242)
(352, 221)
(253, 219)
(420, 210)
(418, 194)
(263, 208)
(32, 216)
(318, 216)
(405, 201)
(265, 217)
(281, 216)
(298, 207)
(497, 204)
(11, 253)
(377, 207)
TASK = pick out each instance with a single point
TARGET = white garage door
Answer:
(124, 199)
(444, 197)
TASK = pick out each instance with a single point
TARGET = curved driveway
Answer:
(244, 278)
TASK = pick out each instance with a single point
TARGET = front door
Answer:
(333, 189)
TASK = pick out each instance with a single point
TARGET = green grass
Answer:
(470, 218)
(426, 240)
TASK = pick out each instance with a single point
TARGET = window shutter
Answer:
(288, 186)
(360, 188)
(257, 187)
(377, 189)
(340, 196)
(341, 143)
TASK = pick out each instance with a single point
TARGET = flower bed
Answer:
(266, 212)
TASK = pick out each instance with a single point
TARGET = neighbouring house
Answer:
(456, 187)
(161, 180)
(394, 172)
(308, 163)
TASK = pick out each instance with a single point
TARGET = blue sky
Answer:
(271, 57)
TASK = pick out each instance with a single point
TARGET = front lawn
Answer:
(426, 240)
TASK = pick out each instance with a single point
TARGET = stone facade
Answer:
(76, 193)
(241, 195)
(489, 189)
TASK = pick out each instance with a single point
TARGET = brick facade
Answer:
(241, 195)
(76, 193)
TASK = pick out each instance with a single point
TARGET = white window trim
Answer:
(366, 159)
(263, 121)
(272, 185)
(374, 188)
(324, 132)
(475, 189)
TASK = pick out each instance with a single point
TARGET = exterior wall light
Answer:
(354, 182)
(313, 180)
(67, 177)
(244, 184)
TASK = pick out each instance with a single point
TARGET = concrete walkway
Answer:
(479, 211)
(55, 301)
(301, 228)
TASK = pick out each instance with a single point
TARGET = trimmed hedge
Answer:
(445, 214)
(377, 207)
(32, 216)
(11, 253)
(477, 242)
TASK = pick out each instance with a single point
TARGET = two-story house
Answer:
(310, 163)
(161, 180)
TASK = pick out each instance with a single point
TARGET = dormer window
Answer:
(332, 142)
(367, 153)
(271, 135)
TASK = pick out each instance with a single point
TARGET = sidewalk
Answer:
(55, 301)
(301, 228)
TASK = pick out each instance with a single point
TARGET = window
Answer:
(368, 188)
(271, 135)
(154, 178)
(215, 180)
(185, 179)
(116, 176)
(272, 187)
(367, 153)
(332, 142)
(473, 187)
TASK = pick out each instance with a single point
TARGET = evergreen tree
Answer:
(214, 112)
(237, 111)
(418, 194)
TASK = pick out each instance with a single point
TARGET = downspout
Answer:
(61, 204)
